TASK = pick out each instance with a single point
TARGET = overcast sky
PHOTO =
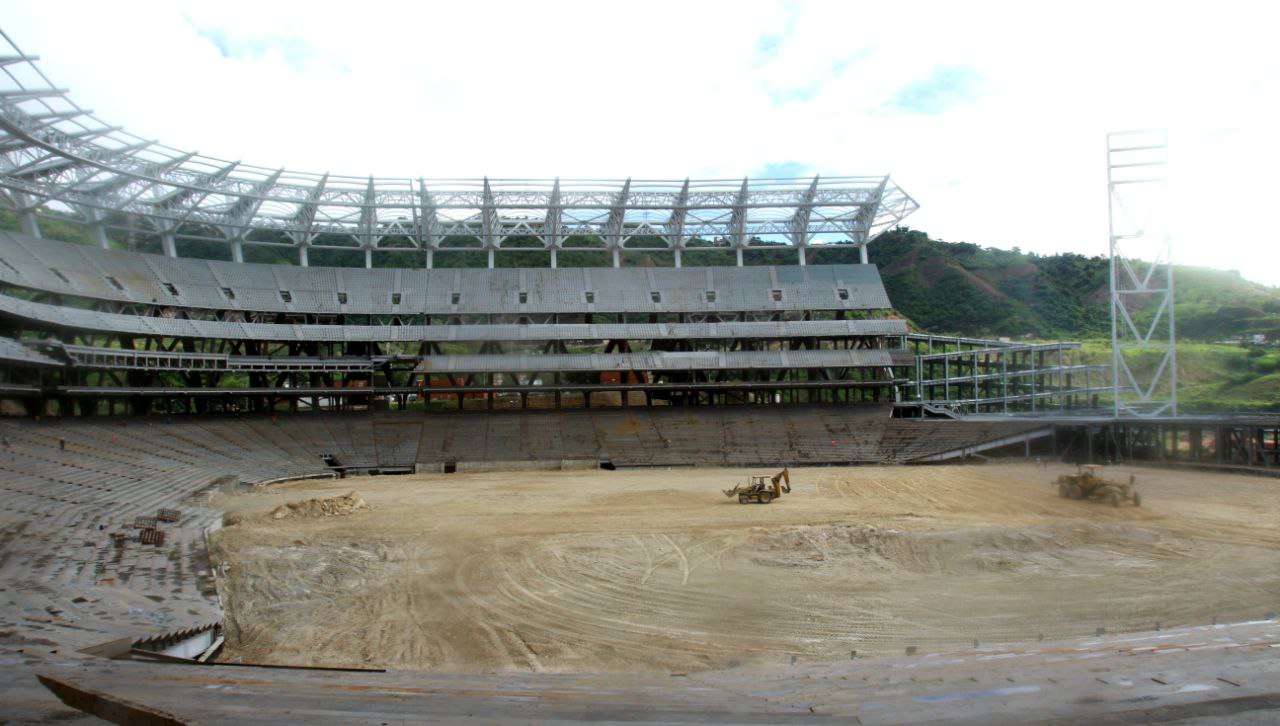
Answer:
(993, 116)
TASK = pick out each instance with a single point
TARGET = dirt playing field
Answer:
(657, 570)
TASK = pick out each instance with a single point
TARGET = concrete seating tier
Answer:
(79, 270)
(67, 485)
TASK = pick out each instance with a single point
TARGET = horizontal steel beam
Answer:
(175, 392)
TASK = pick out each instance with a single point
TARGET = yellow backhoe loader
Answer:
(762, 489)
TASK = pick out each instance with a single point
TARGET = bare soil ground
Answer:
(657, 570)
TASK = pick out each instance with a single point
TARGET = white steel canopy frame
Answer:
(1143, 329)
(57, 157)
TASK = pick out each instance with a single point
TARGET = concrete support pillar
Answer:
(800, 252)
(739, 251)
(617, 257)
(27, 221)
(491, 250)
(677, 252)
(553, 258)
(237, 251)
(431, 258)
(168, 244)
(302, 256)
(862, 253)
(97, 228)
(368, 258)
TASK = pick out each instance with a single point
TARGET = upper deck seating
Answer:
(71, 318)
(92, 272)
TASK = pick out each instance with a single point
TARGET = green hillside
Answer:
(965, 289)
(962, 288)
(1211, 376)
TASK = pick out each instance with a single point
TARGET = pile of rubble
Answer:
(332, 507)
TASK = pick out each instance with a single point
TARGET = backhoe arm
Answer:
(782, 483)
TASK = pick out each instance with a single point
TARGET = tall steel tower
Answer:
(1143, 357)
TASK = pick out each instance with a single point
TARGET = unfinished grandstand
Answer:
(148, 391)
(693, 355)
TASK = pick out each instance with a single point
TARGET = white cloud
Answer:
(1009, 149)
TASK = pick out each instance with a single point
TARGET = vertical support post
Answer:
(551, 223)
(738, 220)
(1034, 387)
(1062, 382)
(946, 378)
(613, 228)
(675, 223)
(428, 226)
(27, 221)
(1004, 380)
(976, 393)
(170, 246)
(97, 228)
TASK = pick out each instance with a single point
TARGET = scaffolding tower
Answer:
(1143, 356)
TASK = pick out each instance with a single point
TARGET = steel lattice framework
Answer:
(57, 156)
(1142, 310)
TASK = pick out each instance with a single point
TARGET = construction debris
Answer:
(333, 507)
(151, 536)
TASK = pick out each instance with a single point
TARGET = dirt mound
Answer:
(332, 507)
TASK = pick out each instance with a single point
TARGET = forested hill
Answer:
(962, 288)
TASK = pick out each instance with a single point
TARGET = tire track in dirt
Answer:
(655, 570)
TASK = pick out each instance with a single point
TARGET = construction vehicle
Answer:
(762, 489)
(1088, 483)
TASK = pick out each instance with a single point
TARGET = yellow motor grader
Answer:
(1088, 483)
(762, 489)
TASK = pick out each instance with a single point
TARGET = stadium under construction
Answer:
(147, 361)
